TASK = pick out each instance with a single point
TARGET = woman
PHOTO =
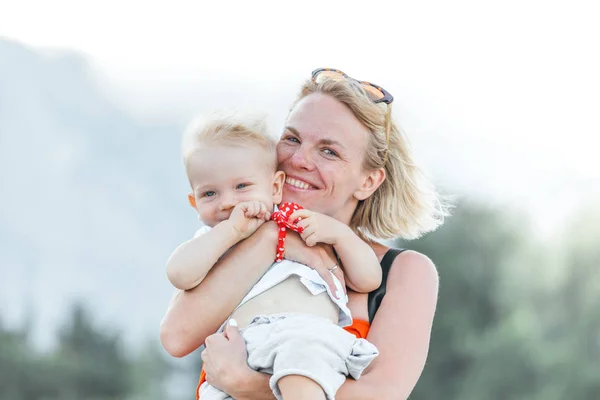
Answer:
(343, 157)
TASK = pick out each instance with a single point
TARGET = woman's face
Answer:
(321, 152)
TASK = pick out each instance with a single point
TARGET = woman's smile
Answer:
(298, 184)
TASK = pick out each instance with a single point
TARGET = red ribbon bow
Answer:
(282, 217)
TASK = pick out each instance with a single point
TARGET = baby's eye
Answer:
(210, 193)
(242, 186)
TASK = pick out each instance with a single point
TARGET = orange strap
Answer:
(202, 379)
(359, 328)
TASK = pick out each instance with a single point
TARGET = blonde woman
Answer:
(344, 157)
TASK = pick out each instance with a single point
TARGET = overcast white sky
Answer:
(516, 82)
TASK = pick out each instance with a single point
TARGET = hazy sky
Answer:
(513, 85)
(499, 99)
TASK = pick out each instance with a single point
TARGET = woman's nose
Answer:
(302, 159)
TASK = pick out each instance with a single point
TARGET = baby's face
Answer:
(223, 176)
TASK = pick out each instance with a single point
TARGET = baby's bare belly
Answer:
(290, 296)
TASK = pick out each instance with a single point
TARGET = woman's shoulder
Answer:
(406, 259)
(415, 269)
(404, 273)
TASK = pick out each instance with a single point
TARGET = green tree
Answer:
(516, 319)
(14, 362)
(474, 354)
(88, 363)
(91, 361)
(149, 372)
(570, 344)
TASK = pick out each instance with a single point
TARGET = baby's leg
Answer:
(308, 357)
(298, 387)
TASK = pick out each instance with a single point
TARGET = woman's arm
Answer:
(197, 313)
(194, 314)
(401, 331)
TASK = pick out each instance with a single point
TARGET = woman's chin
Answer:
(289, 198)
(301, 197)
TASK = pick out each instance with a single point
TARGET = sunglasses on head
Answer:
(375, 92)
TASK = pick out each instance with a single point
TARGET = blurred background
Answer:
(500, 101)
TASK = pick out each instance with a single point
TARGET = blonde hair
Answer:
(229, 130)
(405, 205)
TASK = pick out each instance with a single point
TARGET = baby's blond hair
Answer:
(232, 131)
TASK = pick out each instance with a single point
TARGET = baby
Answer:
(292, 320)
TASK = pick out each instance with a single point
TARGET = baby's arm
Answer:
(361, 266)
(362, 270)
(191, 261)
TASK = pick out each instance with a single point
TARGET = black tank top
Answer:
(376, 295)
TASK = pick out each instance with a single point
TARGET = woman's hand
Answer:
(226, 367)
(224, 359)
(319, 257)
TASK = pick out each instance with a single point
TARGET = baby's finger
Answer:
(304, 223)
(256, 207)
(310, 239)
(243, 207)
(306, 232)
(260, 209)
(250, 209)
(262, 213)
(303, 214)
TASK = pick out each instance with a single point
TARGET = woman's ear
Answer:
(192, 200)
(278, 181)
(372, 181)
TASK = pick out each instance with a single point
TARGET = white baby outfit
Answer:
(300, 344)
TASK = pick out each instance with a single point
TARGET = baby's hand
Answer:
(247, 216)
(319, 228)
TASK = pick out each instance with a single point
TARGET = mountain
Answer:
(93, 199)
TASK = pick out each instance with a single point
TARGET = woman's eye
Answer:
(330, 152)
(210, 193)
(292, 139)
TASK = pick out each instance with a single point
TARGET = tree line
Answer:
(517, 318)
